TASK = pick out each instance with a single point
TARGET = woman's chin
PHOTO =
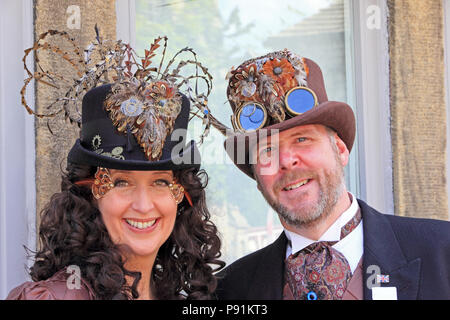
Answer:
(143, 250)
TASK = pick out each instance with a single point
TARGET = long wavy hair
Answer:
(72, 232)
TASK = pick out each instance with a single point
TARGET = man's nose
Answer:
(288, 160)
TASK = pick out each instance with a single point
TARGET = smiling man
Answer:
(309, 185)
(295, 144)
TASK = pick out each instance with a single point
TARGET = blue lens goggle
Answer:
(253, 115)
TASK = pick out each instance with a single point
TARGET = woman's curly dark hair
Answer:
(72, 232)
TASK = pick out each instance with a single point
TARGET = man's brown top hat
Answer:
(277, 92)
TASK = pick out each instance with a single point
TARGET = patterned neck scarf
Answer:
(319, 272)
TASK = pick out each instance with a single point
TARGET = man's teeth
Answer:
(140, 225)
(297, 185)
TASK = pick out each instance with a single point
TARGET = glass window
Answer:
(224, 33)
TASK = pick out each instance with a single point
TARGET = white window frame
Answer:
(17, 147)
(371, 85)
(126, 21)
(371, 63)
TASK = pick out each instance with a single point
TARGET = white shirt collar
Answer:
(351, 246)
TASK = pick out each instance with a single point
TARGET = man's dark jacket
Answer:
(415, 253)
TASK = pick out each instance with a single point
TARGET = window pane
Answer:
(224, 33)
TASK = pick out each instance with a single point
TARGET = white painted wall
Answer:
(17, 151)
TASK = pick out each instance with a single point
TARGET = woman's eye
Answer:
(161, 183)
(121, 183)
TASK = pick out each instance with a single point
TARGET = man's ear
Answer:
(342, 149)
(258, 185)
(253, 167)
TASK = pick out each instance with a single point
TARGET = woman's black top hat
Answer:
(102, 145)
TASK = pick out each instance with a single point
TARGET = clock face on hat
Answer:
(132, 107)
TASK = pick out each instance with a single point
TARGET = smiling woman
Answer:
(131, 218)
(134, 242)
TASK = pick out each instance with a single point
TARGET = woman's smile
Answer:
(142, 225)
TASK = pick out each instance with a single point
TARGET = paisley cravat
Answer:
(319, 271)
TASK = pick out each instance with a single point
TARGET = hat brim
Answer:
(188, 158)
(336, 115)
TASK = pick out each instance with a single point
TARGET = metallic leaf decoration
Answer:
(160, 105)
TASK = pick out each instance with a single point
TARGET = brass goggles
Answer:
(253, 115)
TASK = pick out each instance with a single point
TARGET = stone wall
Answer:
(418, 109)
(52, 149)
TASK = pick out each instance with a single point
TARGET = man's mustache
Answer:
(292, 176)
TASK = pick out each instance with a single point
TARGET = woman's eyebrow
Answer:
(163, 174)
(153, 172)
(114, 171)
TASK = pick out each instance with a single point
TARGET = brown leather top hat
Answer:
(276, 92)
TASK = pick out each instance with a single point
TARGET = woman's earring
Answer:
(177, 192)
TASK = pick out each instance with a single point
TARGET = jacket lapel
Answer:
(381, 249)
(267, 283)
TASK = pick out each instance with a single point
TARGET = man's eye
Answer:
(265, 150)
(301, 139)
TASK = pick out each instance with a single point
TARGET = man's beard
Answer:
(331, 187)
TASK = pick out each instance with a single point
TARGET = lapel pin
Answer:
(382, 278)
(312, 295)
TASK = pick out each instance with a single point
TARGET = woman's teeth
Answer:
(297, 185)
(140, 225)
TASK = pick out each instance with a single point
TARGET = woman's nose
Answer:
(143, 200)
